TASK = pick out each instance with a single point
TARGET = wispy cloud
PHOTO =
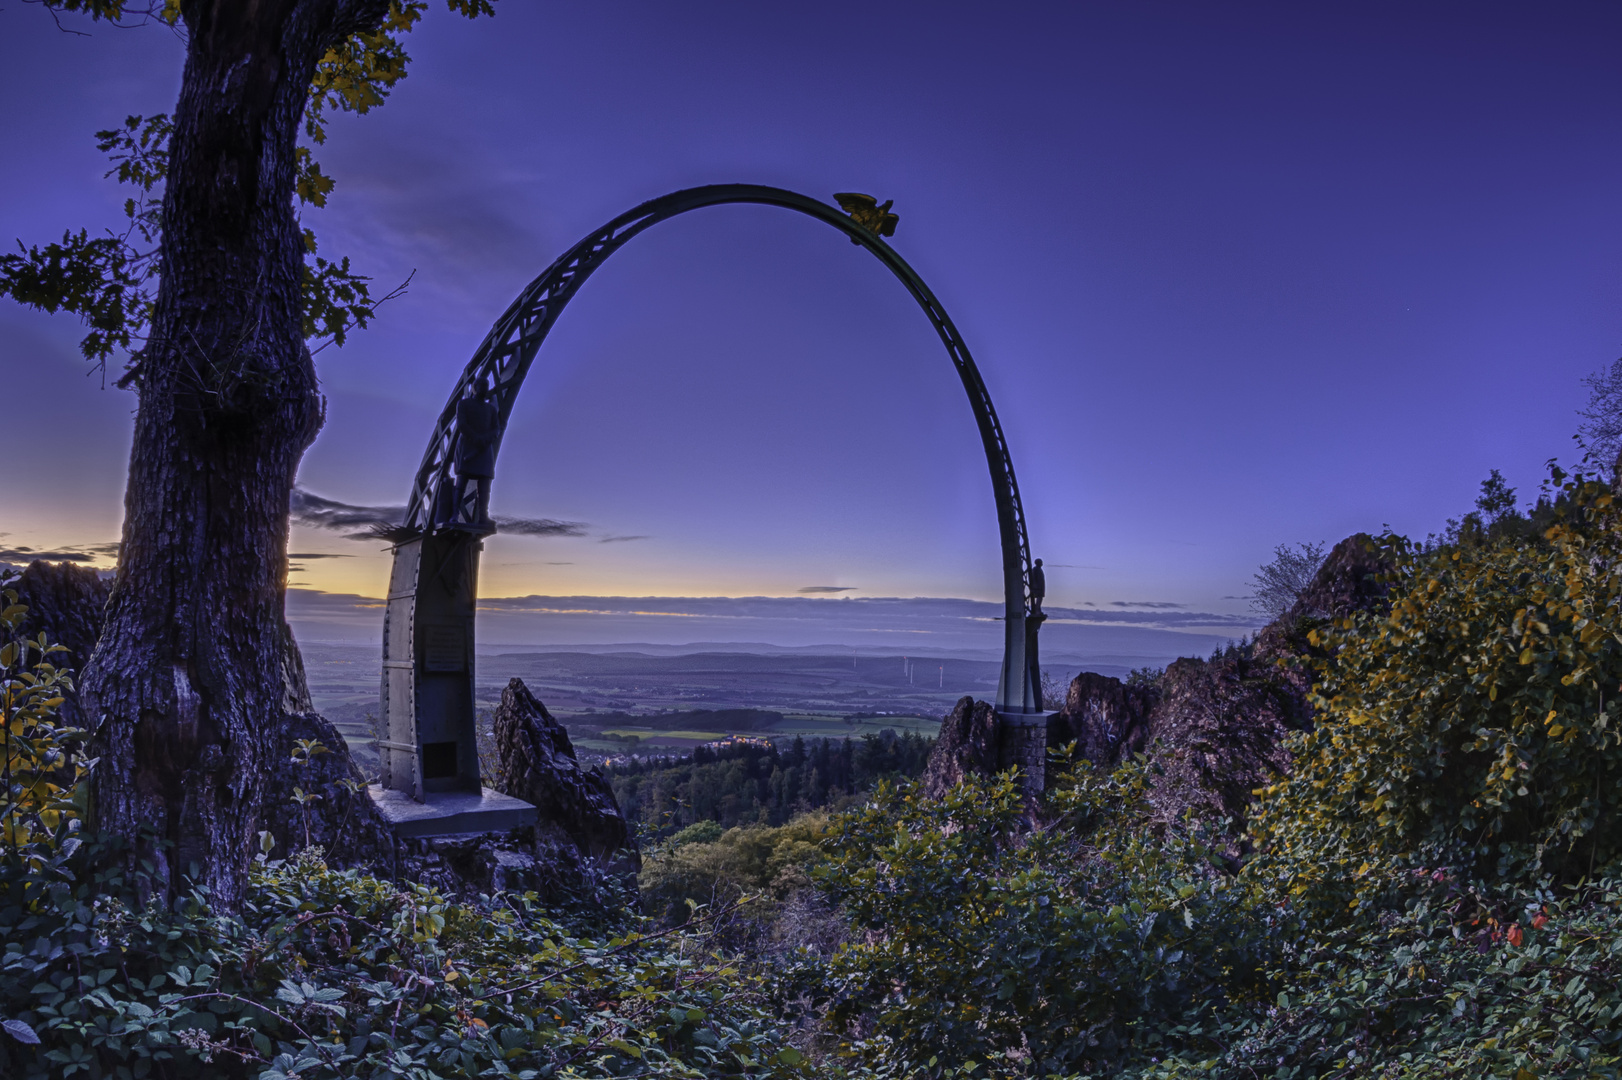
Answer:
(73, 553)
(317, 512)
(827, 588)
(317, 555)
(539, 527)
(622, 539)
(1156, 604)
(358, 522)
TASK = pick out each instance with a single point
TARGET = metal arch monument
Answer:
(430, 753)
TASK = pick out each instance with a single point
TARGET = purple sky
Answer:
(1235, 274)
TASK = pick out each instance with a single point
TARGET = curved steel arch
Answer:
(439, 508)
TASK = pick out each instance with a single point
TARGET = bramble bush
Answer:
(1079, 941)
(328, 973)
(1456, 982)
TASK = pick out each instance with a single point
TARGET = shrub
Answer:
(42, 770)
(1083, 944)
(329, 974)
(1472, 726)
(1457, 982)
(692, 872)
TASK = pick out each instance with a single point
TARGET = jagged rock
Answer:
(1212, 729)
(1349, 581)
(1106, 720)
(537, 764)
(581, 833)
(295, 687)
(1217, 732)
(341, 817)
(969, 742)
(488, 863)
(68, 603)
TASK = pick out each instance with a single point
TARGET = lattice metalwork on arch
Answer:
(439, 539)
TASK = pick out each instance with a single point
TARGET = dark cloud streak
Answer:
(384, 522)
(539, 527)
(73, 553)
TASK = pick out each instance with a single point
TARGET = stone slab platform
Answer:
(450, 813)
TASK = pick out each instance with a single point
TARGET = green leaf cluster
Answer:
(710, 867)
(1072, 942)
(327, 974)
(1473, 726)
(43, 770)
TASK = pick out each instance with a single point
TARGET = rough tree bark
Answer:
(186, 685)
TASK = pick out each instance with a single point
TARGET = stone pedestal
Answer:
(451, 813)
(1023, 742)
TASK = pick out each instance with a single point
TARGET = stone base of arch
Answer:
(1023, 742)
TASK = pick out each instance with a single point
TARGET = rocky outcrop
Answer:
(320, 797)
(1350, 580)
(1212, 730)
(1216, 734)
(315, 792)
(537, 764)
(68, 603)
(968, 743)
(1105, 719)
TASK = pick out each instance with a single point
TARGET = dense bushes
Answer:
(327, 974)
(1429, 896)
(1082, 945)
(41, 765)
(704, 865)
(1477, 726)
(1452, 982)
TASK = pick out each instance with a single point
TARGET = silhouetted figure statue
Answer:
(1039, 587)
(478, 422)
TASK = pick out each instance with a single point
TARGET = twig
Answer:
(393, 294)
(307, 918)
(294, 1024)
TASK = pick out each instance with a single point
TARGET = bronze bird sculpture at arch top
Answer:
(865, 211)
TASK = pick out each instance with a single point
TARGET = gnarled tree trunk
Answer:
(186, 685)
